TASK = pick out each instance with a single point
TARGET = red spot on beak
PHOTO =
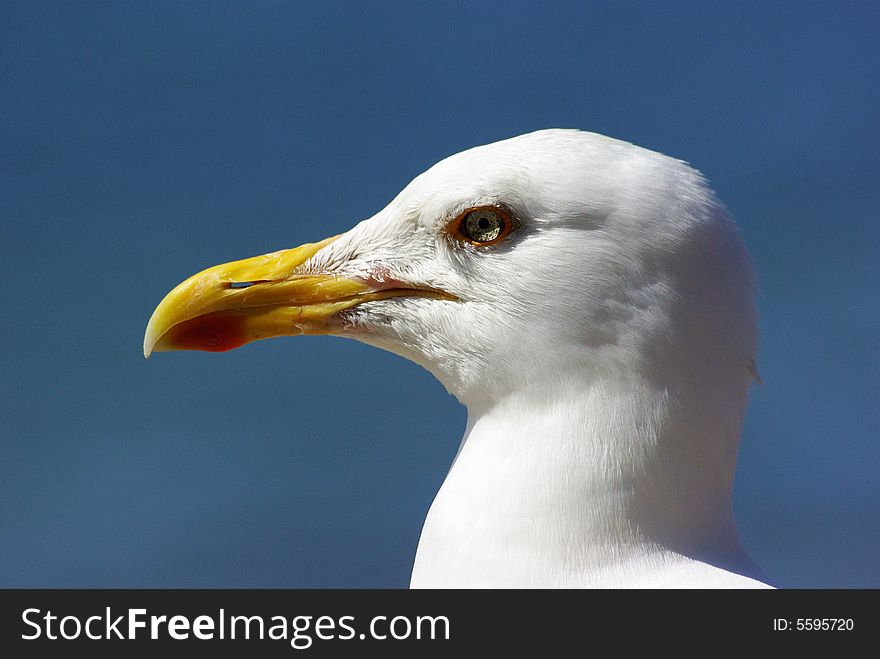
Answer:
(214, 332)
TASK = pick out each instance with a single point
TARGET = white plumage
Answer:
(604, 348)
(604, 353)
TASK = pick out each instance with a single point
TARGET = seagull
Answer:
(591, 304)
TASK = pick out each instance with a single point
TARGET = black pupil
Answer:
(484, 223)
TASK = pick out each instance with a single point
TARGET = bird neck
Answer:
(567, 485)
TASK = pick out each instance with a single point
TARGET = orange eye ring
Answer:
(482, 226)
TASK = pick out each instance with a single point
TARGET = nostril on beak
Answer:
(245, 284)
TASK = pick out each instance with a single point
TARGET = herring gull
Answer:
(591, 304)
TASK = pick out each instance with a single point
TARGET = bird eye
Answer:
(482, 226)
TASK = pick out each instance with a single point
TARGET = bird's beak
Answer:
(229, 305)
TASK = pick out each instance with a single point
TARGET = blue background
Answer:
(141, 142)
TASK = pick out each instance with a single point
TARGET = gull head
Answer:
(503, 268)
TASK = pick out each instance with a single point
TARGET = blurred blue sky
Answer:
(143, 141)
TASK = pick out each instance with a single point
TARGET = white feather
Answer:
(603, 351)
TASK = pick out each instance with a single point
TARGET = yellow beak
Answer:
(229, 305)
